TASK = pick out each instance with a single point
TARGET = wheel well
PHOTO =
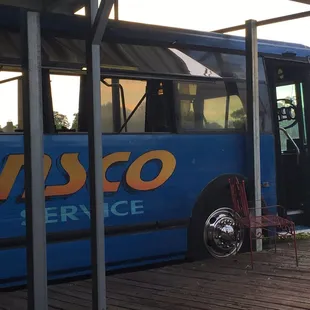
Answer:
(216, 190)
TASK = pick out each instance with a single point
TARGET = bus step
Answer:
(297, 216)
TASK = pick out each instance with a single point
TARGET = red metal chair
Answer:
(246, 218)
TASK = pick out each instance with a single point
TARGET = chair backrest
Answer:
(239, 197)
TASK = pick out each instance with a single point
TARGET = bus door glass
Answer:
(289, 125)
(292, 99)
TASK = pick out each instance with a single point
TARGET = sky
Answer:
(201, 15)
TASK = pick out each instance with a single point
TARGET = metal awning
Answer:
(126, 45)
(57, 6)
(64, 6)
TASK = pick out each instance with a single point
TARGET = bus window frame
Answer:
(134, 78)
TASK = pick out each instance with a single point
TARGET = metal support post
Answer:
(116, 107)
(101, 20)
(253, 118)
(34, 156)
(20, 103)
(97, 19)
(116, 10)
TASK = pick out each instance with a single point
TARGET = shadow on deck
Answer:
(275, 283)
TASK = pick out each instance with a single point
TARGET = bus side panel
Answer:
(149, 179)
(71, 259)
(268, 170)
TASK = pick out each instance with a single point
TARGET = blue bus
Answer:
(174, 128)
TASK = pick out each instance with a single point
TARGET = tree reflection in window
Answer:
(61, 121)
(206, 106)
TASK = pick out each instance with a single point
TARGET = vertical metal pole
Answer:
(34, 155)
(116, 10)
(95, 170)
(116, 105)
(20, 103)
(253, 118)
(115, 89)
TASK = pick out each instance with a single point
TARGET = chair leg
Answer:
(236, 236)
(236, 243)
(275, 240)
(295, 245)
(251, 247)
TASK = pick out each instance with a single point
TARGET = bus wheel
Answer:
(213, 230)
(222, 236)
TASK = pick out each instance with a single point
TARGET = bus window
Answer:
(133, 92)
(186, 93)
(11, 116)
(65, 96)
(207, 106)
(236, 115)
(134, 106)
(215, 112)
(106, 107)
(123, 104)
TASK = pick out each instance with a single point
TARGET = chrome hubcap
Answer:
(222, 235)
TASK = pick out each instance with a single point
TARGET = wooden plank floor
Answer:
(275, 283)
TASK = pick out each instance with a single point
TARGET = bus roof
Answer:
(63, 37)
(136, 32)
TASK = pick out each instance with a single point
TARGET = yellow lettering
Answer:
(108, 161)
(76, 175)
(133, 175)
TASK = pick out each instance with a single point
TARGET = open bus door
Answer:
(290, 91)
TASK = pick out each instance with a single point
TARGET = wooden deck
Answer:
(275, 283)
